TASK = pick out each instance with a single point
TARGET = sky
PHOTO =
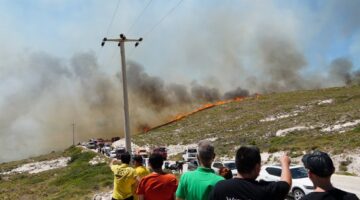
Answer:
(53, 68)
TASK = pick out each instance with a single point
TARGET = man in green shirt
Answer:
(196, 185)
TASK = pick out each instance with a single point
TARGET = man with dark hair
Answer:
(157, 185)
(244, 186)
(320, 168)
(196, 185)
(141, 170)
(124, 178)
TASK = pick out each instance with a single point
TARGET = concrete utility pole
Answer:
(73, 133)
(121, 43)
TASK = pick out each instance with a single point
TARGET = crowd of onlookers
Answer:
(203, 183)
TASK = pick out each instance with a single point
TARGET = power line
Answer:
(163, 18)
(108, 29)
(140, 15)
(113, 17)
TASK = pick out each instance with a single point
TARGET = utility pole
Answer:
(121, 43)
(73, 132)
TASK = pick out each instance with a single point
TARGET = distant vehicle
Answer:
(301, 184)
(216, 165)
(230, 164)
(106, 149)
(91, 145)
(192, 165)
(190, 153)
(112, 154)
(142, 152)
(162, 151)
(115, 153)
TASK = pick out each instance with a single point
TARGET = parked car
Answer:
(190, 153)
(117, 152)
(301, 184)
(142, 152)
(91, 145)
(230, 164)
(192, 165)
(106, 149)
(162, 151)
(216, 165)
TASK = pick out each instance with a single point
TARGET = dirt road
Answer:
(347, 183)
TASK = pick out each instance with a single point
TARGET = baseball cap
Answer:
(319, 163)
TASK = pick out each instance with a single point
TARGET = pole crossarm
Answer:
(121, 43)
(122, 39)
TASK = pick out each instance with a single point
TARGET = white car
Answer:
(216, 165)
(301, 184)
(190, 154)
(230, 164)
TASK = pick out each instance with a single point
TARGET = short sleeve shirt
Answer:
(237, 188)
(157, 186)
(142, 171)
(196, 185)
(334, 194)
(124, 179)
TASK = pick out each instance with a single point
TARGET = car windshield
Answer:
(299, 172)
(231, 165)
(192, 151)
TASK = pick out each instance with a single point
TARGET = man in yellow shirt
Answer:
(140, 169)
(125, 178)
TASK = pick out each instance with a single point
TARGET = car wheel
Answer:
(298, 194)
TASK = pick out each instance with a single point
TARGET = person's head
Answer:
(205, 153)
(156, 161)
(125, 158)
(248, 161)
(319, 165)
(225, 172)
(138, 160)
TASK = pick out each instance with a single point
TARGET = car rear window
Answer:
(299, 172)
(274, 171)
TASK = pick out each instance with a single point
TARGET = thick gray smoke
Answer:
(282, 64)
(342, 70)
(238, 92)
(258, 49)
(44, 96)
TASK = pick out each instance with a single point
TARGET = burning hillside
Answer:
(183, 115)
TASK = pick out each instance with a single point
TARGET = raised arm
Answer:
(285, 170)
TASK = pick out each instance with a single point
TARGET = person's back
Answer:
(244, 185)
(196, 185)
(320, 168)
(141, 170)
(333, 194)
(124, 179)
(157, 185)
(237, 188)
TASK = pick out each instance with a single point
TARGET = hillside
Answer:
(78, 180)
(328, 119)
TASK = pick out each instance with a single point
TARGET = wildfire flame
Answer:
(203, 107)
